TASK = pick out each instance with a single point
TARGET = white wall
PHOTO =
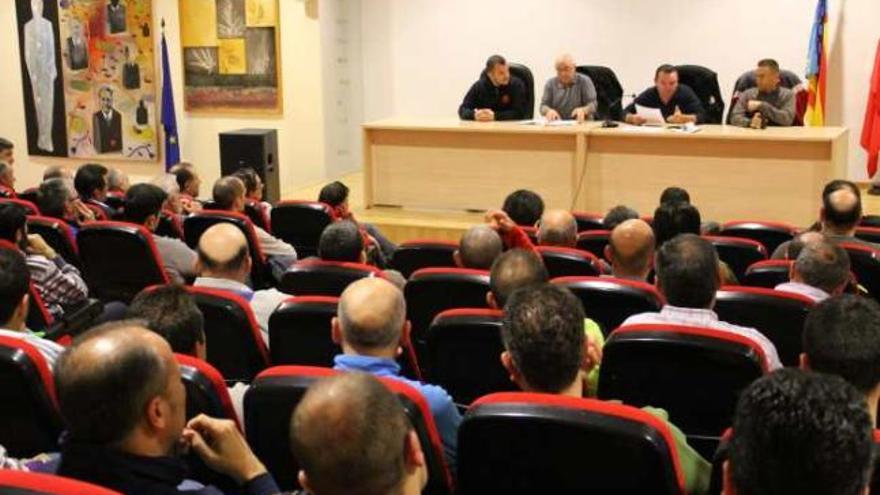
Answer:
(420, 56)
(301, 126)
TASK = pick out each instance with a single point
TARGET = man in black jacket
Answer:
(496, 96)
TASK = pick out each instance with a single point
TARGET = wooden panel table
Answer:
(730, 172)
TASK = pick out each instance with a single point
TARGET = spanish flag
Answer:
(817, 67)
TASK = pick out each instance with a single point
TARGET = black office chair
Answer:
(704, 82)
(609, 92)
(524, 74)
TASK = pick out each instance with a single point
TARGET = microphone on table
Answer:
(609, 122)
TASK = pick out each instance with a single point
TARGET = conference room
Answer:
(405, 246)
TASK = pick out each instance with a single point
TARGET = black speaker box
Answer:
(255, 148)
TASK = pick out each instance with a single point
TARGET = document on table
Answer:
(651, 115)
(549, 123)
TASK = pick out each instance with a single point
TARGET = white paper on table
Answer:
(651, 115)
(548, 123)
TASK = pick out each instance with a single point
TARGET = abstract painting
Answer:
(99, 96)
(230, 56)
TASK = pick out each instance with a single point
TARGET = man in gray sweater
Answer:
(768, 103)
(569, 95)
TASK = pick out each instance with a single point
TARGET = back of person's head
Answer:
(478, 247)
(143, 201)
(543, 334)
(515, 269)
(842, 337)
(15, 280)
(351, 436)
(557, 228)
(371, 316)
(334, 194)
(249, 178)
(13, 219)
(90, 178)
(53, 196)
(341, 241)
(841, 205)
(183, 176)
(223, 252)
(108, 377)
(823, 265)
(524, 207)
(55, 172)
(117, 180)
(687, 271)
(631, 248)
(228, 190)
(674, 194)
(618, 215)
(794, 248)
(6, 145)
(804, 433)
(672, 219)
(171, 312)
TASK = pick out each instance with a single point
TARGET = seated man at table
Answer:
(677, 102)
(496, 96)
(768, 103)
(569, 95)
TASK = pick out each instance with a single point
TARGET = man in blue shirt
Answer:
(370, 326)
(677, 102)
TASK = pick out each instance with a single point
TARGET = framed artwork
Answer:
(231, 57)
(98, 98)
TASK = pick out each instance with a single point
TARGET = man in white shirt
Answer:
(15, 282)
(224, 263)
(688, 276)
(821, 270)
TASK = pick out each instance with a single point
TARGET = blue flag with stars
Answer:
(169, 118)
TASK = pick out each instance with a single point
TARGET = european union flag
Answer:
(169, 118)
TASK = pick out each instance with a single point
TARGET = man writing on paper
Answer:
(768, 103)
(677, 102)
(569, 95)
(496, 96)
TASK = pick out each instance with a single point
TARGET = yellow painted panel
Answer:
(232, 56)
(198, 23)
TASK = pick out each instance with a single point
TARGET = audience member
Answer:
(342, 241)
(688, 276)
(124, 404)
(371, 327)
(229, 195)
(804, 433)
(630, 250)
(90, 182)
(188, 183)
(524, 207)
(7, 151)
(478, 248)
(381, 453)
(842, 337)
(253, 187)
(58, 282)
(171, 312)
(56, 198)
(618, 215)
(675, 194)
(224, 263)
(7, 180)
(57, 172)
(820, 271)
(143, 205)
(117, 182)
(14, 299)
(557, 228)
(335, 195)
(674, 218)
(792, 249)
(546, 352)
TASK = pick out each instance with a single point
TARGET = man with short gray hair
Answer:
(371, 327)
(821, 270)
(478, 248)
(569, 95)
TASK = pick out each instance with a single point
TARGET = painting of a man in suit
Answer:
(116, 17)
(107, 124)
(77, 47)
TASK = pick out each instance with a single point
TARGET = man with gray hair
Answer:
(371, 327)
(558, 228)
(478, 248)
(821, 270)
(569, 95)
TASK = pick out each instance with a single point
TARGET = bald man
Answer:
(630, 250)
(371, 327)
(124, 406)
(569, 95)
(557, 228)
(224, 263)
(478, 248)
(381, 454)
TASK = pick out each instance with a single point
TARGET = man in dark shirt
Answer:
(677, 102)
(496, 96)
(124, 405)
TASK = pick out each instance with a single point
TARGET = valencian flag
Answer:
(817, 67)
(169, 118)
(871, 129)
